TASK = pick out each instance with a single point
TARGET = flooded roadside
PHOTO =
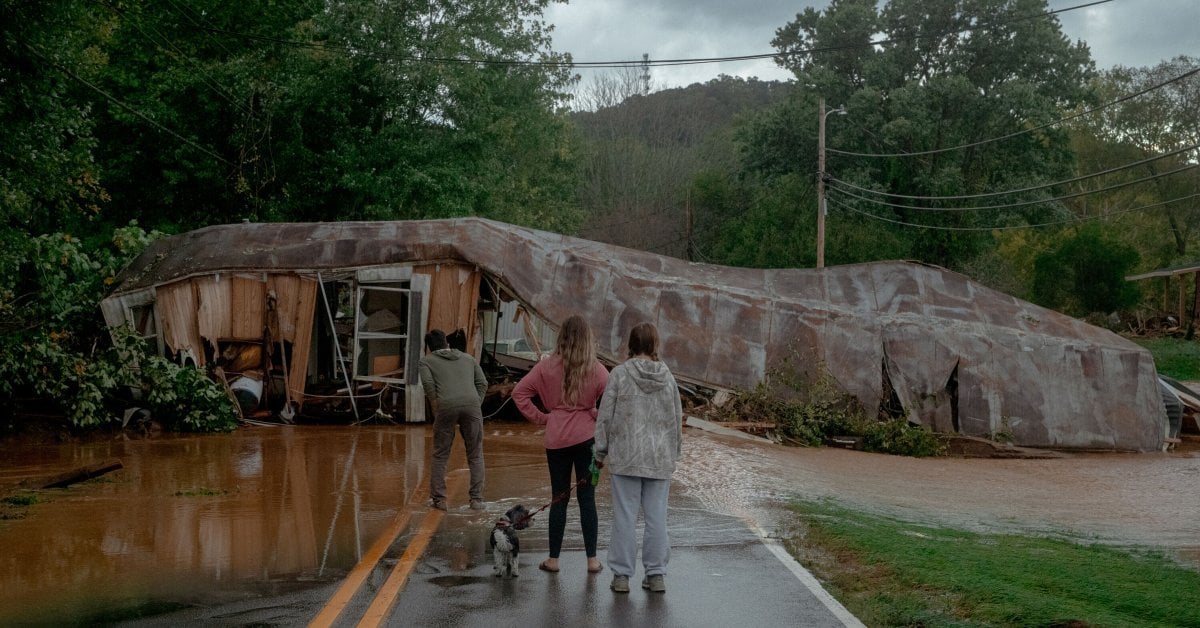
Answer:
(214, 519)
(195, 518)
(1150, 499)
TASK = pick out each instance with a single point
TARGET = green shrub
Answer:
(21, 499)
(898, 436)
(1086, 274)
(54, 346)
(808, 407)
(179, 397)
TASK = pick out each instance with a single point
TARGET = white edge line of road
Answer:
(809, 581)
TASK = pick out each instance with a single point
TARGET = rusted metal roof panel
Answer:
(1045, 378)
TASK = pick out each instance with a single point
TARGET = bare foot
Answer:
(594, 565)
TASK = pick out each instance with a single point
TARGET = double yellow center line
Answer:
(386, 596)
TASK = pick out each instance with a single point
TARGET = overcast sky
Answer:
(1120, 32)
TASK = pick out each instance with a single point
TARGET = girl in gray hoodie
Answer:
(639, 435)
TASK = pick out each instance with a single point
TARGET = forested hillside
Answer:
(642, 154)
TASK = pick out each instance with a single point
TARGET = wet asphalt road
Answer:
(722, 572)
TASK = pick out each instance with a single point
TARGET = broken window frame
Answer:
(143, 306)
(360, 336)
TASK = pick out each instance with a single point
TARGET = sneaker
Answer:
(476, 504)
(437, 503)
(655, 583)
(620, 584)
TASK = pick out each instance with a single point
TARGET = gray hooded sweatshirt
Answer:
(453, 378)
(639, 428)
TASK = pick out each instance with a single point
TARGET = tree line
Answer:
(971, 137)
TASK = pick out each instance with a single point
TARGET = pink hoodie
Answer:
(566, 424)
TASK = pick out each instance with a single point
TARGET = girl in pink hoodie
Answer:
(568, 385)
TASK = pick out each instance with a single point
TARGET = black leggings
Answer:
(561, 462)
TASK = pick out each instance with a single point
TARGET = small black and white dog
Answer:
(505, 545)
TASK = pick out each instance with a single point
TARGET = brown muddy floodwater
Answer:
(193, 517)
(1150, 500)
(210, 519)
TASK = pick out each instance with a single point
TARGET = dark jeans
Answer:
(469, 421)
(561, 462)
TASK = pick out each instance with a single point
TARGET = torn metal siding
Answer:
(1045, 378)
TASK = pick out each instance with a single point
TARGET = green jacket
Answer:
(452, 378)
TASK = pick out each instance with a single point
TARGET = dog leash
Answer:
(558, 498)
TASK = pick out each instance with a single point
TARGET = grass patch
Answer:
(1174, 357)
(12, 507)
(894, 573)
(200, 492)
(21, 499)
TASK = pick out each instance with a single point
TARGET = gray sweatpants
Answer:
(630, 494)
(469, 420)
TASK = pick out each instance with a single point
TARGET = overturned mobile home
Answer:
(350, 301)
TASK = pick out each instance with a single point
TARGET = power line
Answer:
(248, 143)
(1019, 190)
(1020, 203)
(175, 52)
(638, 63)
(666, 211)
(186, 13)
(127, 107)
(1118, 101)
(699, 252)
(1009, 227)
(660, 248)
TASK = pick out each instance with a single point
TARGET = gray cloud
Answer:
(620, 30)
(1125, 32)
(1135, 32)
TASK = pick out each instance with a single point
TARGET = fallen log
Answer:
(78, 475)
(747, 425)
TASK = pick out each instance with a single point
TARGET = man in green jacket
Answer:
(454, 385)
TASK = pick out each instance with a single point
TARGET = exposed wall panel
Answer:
(177, 310)
(249, 304)
(454, 298)
(295, 302)
(213, 314)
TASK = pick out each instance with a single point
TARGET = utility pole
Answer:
(645, 74)
(821, 183)
(689, 252)
(821, 115)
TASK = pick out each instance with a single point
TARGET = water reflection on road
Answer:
(199, 517)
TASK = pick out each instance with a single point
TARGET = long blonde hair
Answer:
(578, 352)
